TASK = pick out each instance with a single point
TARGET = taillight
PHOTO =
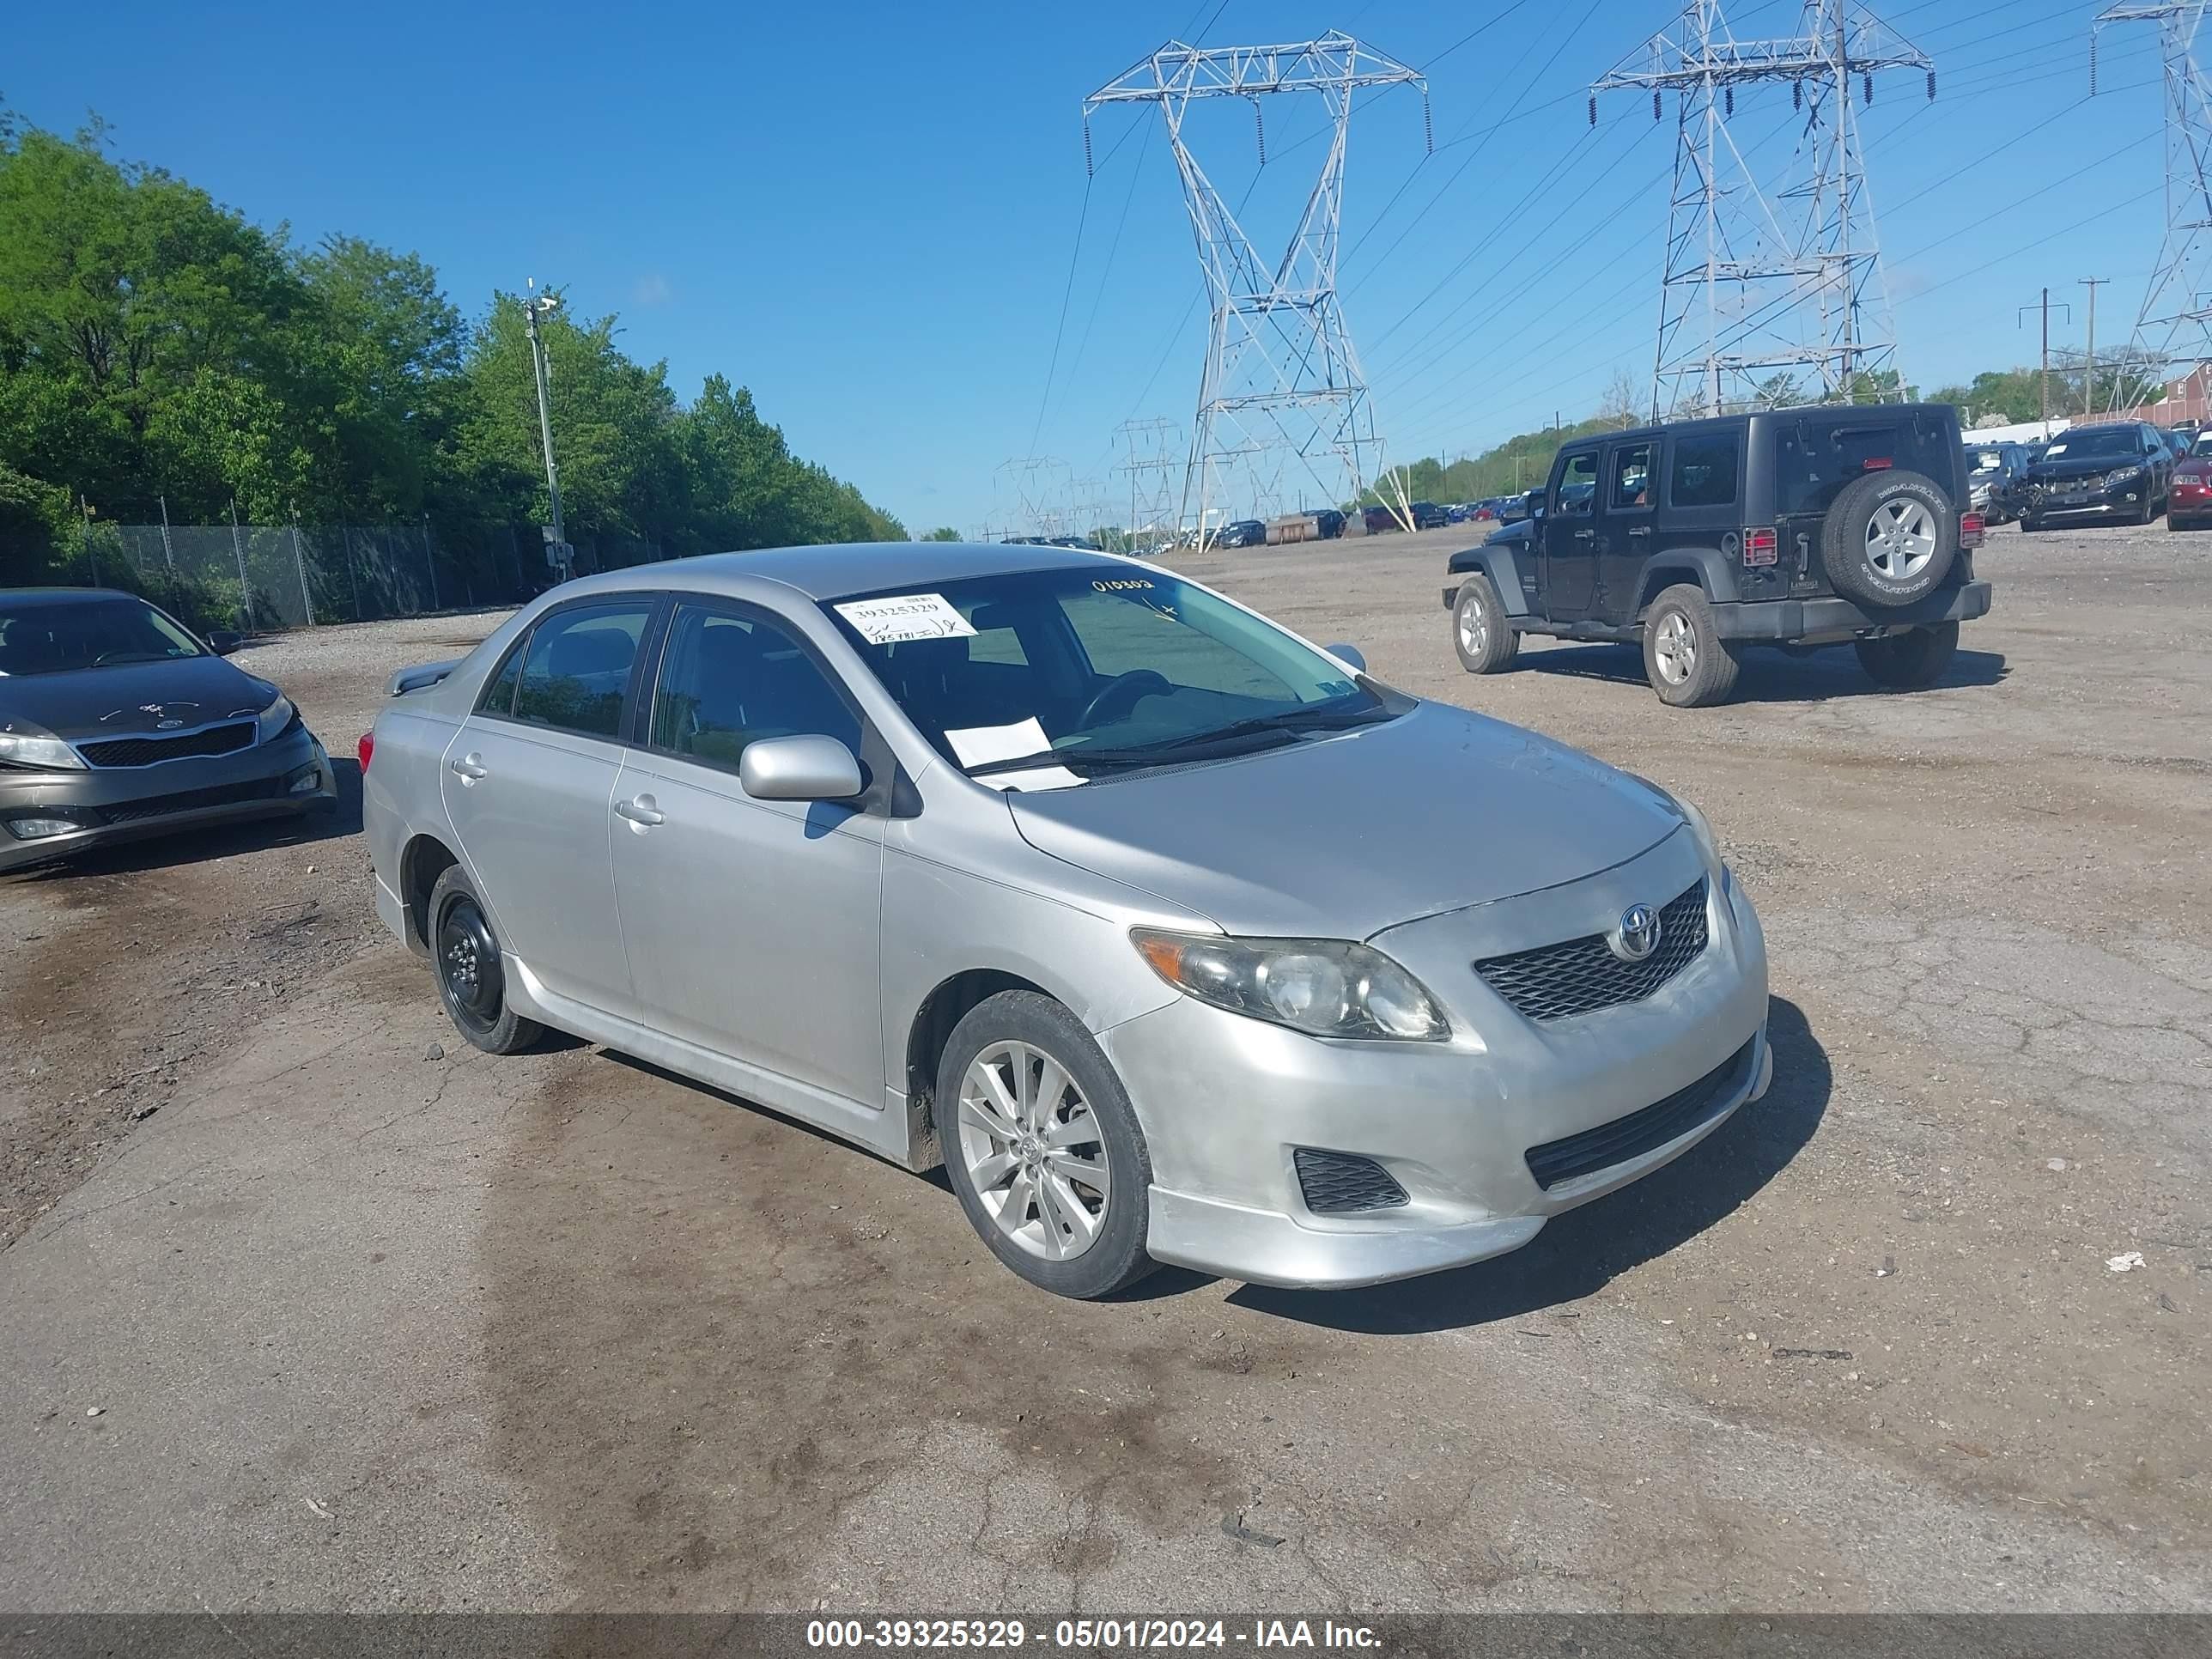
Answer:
(1762, 546)
(1970, 527)
(365, 748)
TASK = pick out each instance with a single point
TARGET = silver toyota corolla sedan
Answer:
(1174, 937)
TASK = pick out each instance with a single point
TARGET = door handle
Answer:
(1639, 530)
(641, 813)
(1584, 535)
(468, 768)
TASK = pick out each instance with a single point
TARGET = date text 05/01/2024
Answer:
(1087, 1633)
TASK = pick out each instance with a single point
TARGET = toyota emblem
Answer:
(1637, 935)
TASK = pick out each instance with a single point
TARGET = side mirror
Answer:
(223, 643)
(798, 768)
(1351, 655)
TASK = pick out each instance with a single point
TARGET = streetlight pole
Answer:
(532, 304)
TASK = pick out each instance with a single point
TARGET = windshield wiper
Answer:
(1288, 721)
(1070, 758)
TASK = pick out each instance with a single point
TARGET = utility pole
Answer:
(533, 304)
(1760, 281)
(2045, 309)
(1281, 376)
(2090, 378)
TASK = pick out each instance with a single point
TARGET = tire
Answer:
(1889, 539)
(2151, 509)
(1685, 659)
(1008, 1035)
(464, 954)
(1485, 642)
(1909, 661)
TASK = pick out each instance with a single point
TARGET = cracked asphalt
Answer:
(296, 1315)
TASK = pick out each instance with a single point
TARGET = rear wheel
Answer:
(1484, 640)
(1044, 1148)
(471, 981)
(1685, 659)
(1910, 660)
(1889, 539)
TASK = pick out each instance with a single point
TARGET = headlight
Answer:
(1325, 987)
(2120, 475)
(274, 717)
(48, 753)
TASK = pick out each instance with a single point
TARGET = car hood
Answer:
(1344, 835)
(2067, 471)
(131, 697)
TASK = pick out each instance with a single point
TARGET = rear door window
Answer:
(1631, 478)
(576, 669)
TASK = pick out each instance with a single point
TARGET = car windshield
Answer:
(1096, 668)
(2108, 443)
(1985, 460)
(54, 637)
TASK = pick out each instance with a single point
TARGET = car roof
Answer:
(842, 569)
(26, 598)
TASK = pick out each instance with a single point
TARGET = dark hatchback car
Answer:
(117, 721)
(1242, 532)
(1427, 515)
(2119, 473)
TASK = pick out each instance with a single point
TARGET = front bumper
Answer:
(2095, 500)
(1226, 1101)
(1801, 619)
(289, 775)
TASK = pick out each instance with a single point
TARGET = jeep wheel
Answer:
(1685, 659)
(1484, 640)
(1889, 539)
(1910, 660)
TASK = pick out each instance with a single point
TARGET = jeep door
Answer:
(1570, 535)
(1627, 510)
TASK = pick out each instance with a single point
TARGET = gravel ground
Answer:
(370, 1321)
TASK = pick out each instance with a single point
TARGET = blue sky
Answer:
(869, 212)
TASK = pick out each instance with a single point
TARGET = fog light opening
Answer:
(304, 782)
(30, 828)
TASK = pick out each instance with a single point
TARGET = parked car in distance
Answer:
(965, 854)
(2177, 441)
(1329, 522)
(1242, 532)
(1427, 515)
(117, 722)
(2189, 500)
(1380, 520)
(2116, 472)
(1699, 538)
(1512, 509)
(1995, 474)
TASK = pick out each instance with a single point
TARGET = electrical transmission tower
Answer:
(2173, 331)
(1152, 467)
(1031, 494)
(1280, 372)
(1778, 298)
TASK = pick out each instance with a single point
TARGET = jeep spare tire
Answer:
(1889, 539)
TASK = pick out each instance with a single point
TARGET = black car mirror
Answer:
(223, 643)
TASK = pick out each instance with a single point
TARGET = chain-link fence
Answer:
(256, 578)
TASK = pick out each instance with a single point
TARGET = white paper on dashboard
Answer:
(979, 746)
(906, 617)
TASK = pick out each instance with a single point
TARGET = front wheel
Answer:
(1910, 660)
(1685, 659)
(1044, 1148)
(1485, 642)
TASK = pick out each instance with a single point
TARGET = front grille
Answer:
(145, 751)
(190, 800)
(1339, 1183)
(1638, 1133)
(1581, 976)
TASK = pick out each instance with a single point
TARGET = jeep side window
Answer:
(1579, 484)
(1631, 477)
(1705, 472)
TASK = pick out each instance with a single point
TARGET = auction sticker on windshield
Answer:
(906, 617)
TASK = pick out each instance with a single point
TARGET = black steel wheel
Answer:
(471, 981)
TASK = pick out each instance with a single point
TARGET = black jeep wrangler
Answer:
(1795, 527)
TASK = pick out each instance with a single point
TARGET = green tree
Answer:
(944, 532)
